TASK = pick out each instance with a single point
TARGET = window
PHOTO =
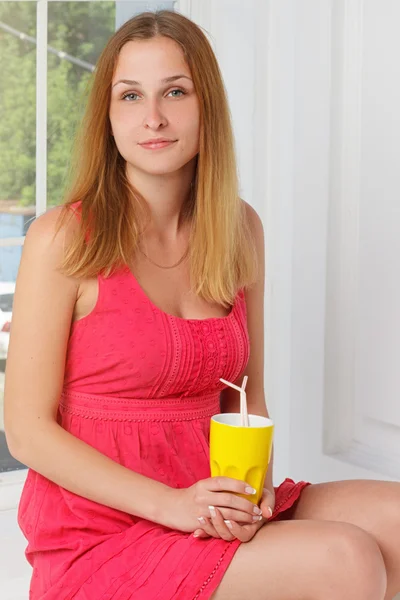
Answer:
(48, 50)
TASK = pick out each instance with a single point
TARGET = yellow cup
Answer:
(241, 452)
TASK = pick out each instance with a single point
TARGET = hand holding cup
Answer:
(186, 509)
(240, 448)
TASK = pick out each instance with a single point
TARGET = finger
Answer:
(244, 533)
(228, 484)
(253, 528)
(239, 516)
(219, 525)
(224, 500)
(267, 504)
(268, 496)
(241, 533)
(200, 533)
(267, 512)
(208, 527)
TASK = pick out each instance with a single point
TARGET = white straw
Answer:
(232, 385)
(244, 418)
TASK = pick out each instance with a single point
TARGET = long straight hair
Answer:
(222, 252)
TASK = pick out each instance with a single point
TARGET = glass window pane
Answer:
(14, 220)
(18, 111)
(77, 33)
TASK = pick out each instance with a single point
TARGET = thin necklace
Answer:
(169, 266)
(175, 264)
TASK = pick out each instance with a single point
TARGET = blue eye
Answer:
(181, 93)
(129, 94)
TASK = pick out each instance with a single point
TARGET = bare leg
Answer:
(306, 560)
(372, 505)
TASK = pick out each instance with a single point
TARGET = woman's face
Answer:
(153, 97)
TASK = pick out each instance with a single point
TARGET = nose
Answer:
(154, 117)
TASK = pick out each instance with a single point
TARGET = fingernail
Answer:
(201, 520)
(228, 524)
(212, 511)
(257, 518)
(270, 510)
(250, 490)
(196, 535)
(257, 510)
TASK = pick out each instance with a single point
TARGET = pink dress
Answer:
(140, 386)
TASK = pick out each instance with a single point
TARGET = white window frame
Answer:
(11, 482)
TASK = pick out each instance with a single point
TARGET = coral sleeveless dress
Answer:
(140, 386)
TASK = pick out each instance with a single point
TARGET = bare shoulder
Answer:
(255, 224)
(44, 250)
(45, 236)
(257, 230)
(40, 279)
(252, 214)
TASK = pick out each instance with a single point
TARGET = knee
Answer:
(358, 561)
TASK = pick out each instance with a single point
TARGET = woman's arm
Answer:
(42, 313)
(230, 401)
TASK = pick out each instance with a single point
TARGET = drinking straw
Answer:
(244, 418)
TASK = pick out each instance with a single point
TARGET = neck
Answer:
(167, 196)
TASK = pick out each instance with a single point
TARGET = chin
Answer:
(159, 169)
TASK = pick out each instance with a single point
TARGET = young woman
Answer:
(132, 300)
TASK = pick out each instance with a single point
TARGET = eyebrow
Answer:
(166, 80)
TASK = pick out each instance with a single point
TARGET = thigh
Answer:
(369, 504)
(306, 560)
(372, 505)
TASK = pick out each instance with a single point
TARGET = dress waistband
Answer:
(111, 408)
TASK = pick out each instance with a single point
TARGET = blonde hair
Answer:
(222, 252)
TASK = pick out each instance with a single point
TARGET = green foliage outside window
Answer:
(80, 29)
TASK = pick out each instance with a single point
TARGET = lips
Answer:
(157, 143)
